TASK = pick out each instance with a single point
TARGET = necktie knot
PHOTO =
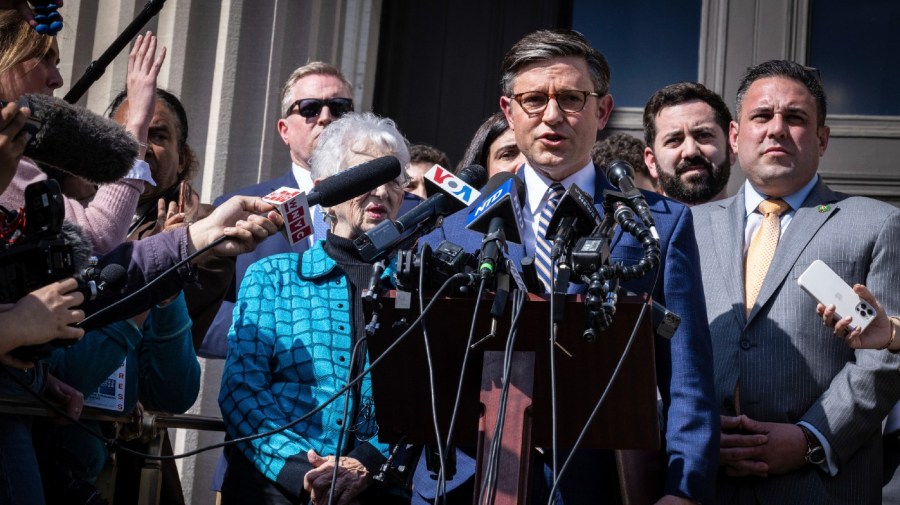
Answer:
(775, 206)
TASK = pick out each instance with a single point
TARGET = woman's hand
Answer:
(876, 335)
(352, 479)
(13, 139)
(39, 317)
(143, 70)
(238, 219)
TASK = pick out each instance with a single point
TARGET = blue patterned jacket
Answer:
(289, 351)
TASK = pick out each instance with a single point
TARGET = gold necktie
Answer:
(762, 248)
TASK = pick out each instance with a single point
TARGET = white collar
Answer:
(537, 184)
(752, 197)
(303, 177)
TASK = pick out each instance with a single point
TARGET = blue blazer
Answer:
(684, 364)
(215, 343)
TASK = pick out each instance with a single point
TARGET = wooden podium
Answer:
(628, 419)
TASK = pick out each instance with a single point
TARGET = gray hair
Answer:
(353, 133)
(311, 68)
(544, 45)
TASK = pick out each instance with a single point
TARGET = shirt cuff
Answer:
(140, 170)
(828, 466)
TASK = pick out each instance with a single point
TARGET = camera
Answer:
(34, 252)
(439, 265)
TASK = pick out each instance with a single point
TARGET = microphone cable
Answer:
(492, 464)
(114, 446)
(618, 368)
(439, 488)
(152, 282)
(554, 263)
(338, 451)
(462, 371)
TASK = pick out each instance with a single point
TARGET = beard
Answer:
(698, 187)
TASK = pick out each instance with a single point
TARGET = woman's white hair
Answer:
(355, 133)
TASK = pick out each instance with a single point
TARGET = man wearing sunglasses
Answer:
(314, 96)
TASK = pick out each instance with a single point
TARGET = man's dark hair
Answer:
(544, 45)
(677, 94)
(174, 104)
(621, 146)
(791, 70)
(421, 153)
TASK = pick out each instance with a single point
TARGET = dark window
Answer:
(855, 50)
(649, 43)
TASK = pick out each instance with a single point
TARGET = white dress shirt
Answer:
(537, 184)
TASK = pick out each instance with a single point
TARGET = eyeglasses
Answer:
(569, 100)
(312, 107)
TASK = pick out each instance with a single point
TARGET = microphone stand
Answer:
(97, 67)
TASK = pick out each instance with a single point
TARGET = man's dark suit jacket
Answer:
(684, 364)
(216, 341)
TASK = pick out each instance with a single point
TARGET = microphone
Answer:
(500, 207)
(621, 175)
(294, 206)
(574, 217)
(110, 280)
(76, 140)
(354, 181)
(451, 193)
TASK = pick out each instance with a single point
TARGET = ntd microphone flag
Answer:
(503, 202)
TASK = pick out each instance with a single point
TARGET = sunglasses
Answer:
(312, 107)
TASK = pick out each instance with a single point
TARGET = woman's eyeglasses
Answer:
(312, 107)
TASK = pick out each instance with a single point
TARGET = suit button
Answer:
(745, 344)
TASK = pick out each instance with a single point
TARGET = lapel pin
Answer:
(823, 208)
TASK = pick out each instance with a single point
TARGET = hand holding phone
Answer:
(820, 282)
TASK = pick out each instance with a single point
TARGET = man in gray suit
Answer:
(801, 412)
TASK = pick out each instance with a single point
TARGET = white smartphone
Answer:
(828, 288)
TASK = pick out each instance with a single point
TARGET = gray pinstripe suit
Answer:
(790, 367)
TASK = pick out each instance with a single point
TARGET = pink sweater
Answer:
(105, 219)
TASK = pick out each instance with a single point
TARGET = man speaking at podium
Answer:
(556, 98)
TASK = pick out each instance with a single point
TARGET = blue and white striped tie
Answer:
(542, 245)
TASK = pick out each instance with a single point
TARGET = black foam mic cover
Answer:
(75, 140)
(354, 181)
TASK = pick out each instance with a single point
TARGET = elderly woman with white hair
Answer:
(297, 338)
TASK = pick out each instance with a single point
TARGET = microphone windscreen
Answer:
(80, 244)
(616, 171)
(354, 181)
(474, 175)
(114, 276)
(78, 141)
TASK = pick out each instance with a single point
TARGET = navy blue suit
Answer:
(215, 343)
(684, 364)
